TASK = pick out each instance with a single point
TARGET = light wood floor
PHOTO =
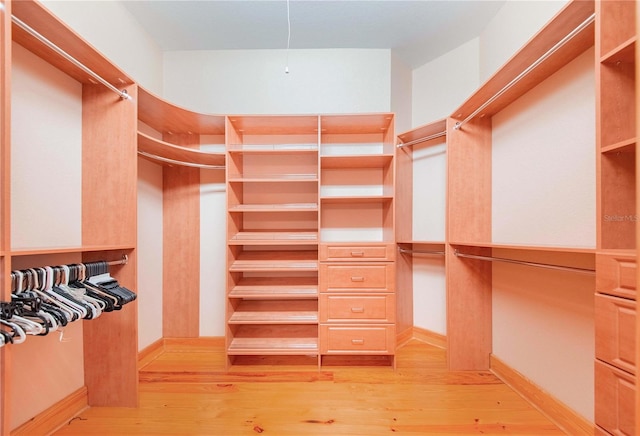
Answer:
(187, 391)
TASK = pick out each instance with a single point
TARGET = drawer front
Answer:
(616, 275)
(365, 308)
(615, 320)
(615, 400)
(352, 277)
(375, 252)
(357, 340)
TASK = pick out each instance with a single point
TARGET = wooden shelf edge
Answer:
(167, 117)
(269, 318)
(423, 131)
(64, 250)
(246, 149)
(355, 161)
(625, 53)
(626, 146)
(564, 22)
(540, 248)
(165, 150)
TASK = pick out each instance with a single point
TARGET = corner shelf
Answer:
(164, 152)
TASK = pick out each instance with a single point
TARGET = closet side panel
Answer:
(109, 167)
(181, 246)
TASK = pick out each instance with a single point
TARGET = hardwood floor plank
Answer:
(191, 393)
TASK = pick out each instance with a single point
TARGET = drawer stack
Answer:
(357, 302)
(615, 318)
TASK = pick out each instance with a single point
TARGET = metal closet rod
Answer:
(434, 252)
(122, 93)
(425, 139)
(522, 262)
(123, 261)
(178, 162)
(530, 68)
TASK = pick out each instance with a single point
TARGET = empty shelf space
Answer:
(273, 148)
(276, 261)
(275, 178)
(163, 150)
(281, 207)
(276, 288)
(275, 312)
(625, 53)
(356, 161)
(627, 146)
(356, 199)
(240, 346)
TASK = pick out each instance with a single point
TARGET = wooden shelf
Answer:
(274, 178)
(273, 237)
(627, 146)
(275, 261)
(355, 124)
(522, 247)
(298, 149)
(425, 131)
(568, 19)
(271, 346)
(65, 250)
(36, 16)
(274, 124)
(357, 199)
(356, 161)
(276, 288)
(282, 207)
(272, 311)
(625, 53)
(167, 117)
(161, 149)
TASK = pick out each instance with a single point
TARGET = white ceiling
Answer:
(418, 31)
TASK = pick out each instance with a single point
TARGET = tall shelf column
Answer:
(615, 298)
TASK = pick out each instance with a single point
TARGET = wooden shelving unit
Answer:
(272, 237)
(424, 136)
(357, 236)
(108, 159)
(616, 256)
(469, 183)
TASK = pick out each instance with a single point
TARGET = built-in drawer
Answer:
(615, 320)
(357, 308)
(375, 277)
(378, 339)
(371, 252)
(615, 400)
(616, 274)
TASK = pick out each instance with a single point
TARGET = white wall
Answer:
(254, 81)
(149, 253)
(401, 90)
(514, 24)
(441, 85)
(46, 162)
(544, 194)
(108, 26)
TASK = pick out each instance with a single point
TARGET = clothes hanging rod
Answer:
(122, 93)
(425, 139)
(178, 162)
(123, 261)
(431, 252)
(522, 262)
(530, 68)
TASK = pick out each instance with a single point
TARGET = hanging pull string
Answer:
(286, 68)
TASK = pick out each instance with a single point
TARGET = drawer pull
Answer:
(357, 341)
(357, 253)
(357, 279)
(357, 309)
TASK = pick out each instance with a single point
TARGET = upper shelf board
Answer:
(423, 131)
(178, 154)
(567, 20)
(36, 16)
(275, 124)
(356, 124)
(166, 117)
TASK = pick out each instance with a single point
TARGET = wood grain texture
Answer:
(166, 150)
(430, 337)
(55, 416)
(404, 292)
(109, 167)
(5, 201)
(150, 353)
(193, 394)
(181, 245)
(469, 335)
(559, 413)
(637, 126)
